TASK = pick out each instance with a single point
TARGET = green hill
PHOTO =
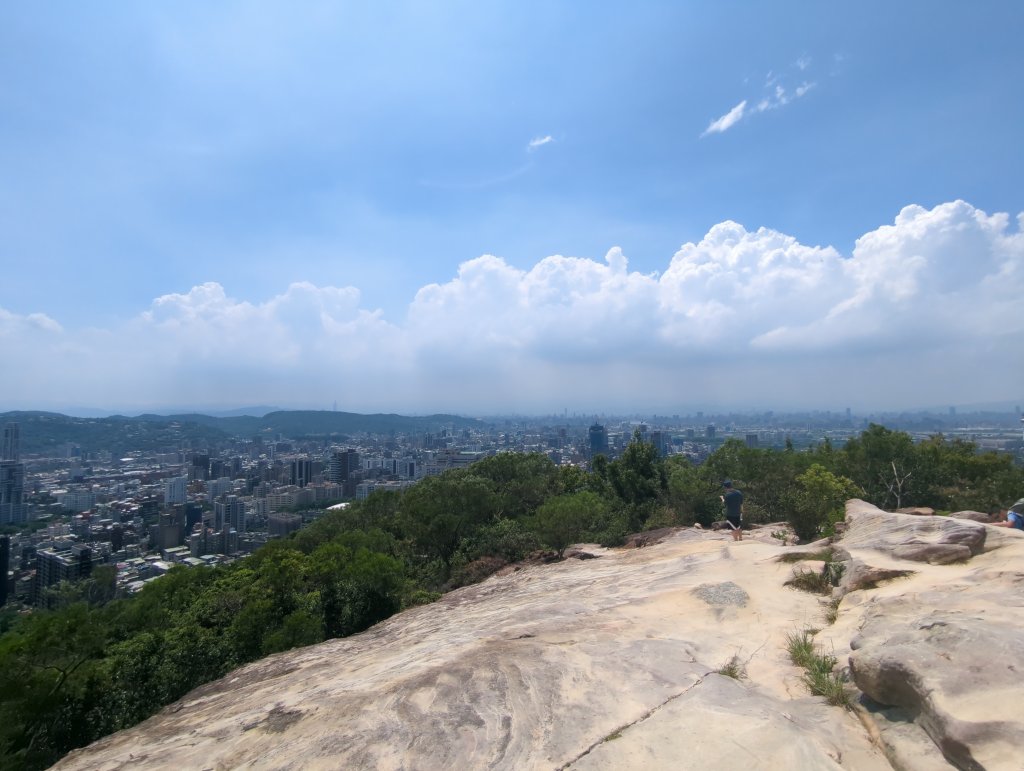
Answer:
(46, 433)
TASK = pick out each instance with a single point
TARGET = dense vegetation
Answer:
(95, 664)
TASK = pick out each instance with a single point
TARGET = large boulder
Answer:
(954, 670)
(936, 654)
(915, 537)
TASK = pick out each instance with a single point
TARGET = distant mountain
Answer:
(255, 412)
(49, 432)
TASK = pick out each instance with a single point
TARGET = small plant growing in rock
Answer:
(811, 581)
(734, 668)
(818, 666)
(833, 611)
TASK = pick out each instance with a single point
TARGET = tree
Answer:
(521, 481)
(638, 480)
(441, 511)
(563, 520)
(875, 460)
(820, 495)
(691, 494)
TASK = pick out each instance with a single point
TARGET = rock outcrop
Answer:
(613, 663)
(935, 648)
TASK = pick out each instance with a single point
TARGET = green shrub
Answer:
(663, 516)
(507, 538)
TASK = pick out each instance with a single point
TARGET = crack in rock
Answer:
(627, 726)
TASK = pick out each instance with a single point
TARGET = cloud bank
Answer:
(926, 310)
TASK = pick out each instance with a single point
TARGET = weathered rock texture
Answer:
(610, 663)
(937, 651)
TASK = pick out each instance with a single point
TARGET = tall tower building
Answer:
(12, 443)
(175, 490)
(302, 472)
(230, 513)
(5, 566)
(12, 478)
(598, 439)
(343, 463)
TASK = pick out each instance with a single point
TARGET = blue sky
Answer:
(214, 204)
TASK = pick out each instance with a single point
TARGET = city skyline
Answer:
(511, 209)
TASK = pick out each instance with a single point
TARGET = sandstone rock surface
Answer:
(937, 650)
(611, 663)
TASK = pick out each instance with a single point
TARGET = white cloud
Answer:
(924, 310)
(775, 95)
(539, 142)
(727, 121)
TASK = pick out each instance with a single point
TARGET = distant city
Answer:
(145, 494)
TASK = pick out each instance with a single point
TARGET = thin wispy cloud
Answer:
(727, 121)
(539, 142)
(776, 94)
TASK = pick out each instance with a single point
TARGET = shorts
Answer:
(735, 522)
(1016, 519)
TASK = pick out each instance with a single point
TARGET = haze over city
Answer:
(511, 207)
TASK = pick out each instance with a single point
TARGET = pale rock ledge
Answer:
(610, 663)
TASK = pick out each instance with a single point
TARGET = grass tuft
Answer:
(833, 611)
(818, 666)
(810, 581)
(733, 668)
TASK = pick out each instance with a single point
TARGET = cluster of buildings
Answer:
(183, 505)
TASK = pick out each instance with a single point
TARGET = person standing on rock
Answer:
(733, 500)
(1014, 516)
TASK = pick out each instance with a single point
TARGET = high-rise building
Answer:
(660, 441)
(230, 512)
(343, 463)
(5, 566)
(12, 478)
(53, 566)
(175, 491)
(11, 443)
(301, 472)
(199, 468)
(598, 439)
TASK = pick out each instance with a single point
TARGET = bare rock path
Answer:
(607, 663)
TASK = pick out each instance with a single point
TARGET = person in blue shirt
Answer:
(1014, 516)
(733, 500)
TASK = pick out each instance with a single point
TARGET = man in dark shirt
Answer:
(733, 500)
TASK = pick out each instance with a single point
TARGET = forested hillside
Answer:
(95, 664)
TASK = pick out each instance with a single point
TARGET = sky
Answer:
(511, 207)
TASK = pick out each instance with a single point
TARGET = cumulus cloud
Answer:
(923, 310)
